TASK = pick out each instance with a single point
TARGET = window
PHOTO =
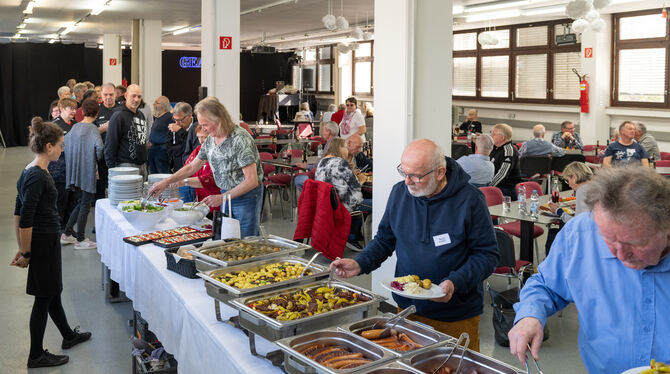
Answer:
(362, 69)
(640, 55)
(317, 70)
(525, 65)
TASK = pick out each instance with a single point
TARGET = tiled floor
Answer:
(109, 350)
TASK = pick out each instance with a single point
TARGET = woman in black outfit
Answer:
(37, 226)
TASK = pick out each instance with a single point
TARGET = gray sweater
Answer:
(83, 147)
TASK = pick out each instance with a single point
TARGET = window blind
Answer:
(465, 42)
(465, 76)
(503, 39)
(566, 83)
(363, 79)
(324, 77)
(642, 75)
(495, 76)
(531, 36)
(639, 27)
(531, 76)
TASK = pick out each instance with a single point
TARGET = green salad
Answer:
(138, 208)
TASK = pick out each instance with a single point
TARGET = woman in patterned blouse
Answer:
(236, 166)
(203, 179)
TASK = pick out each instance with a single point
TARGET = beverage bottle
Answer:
(597, 147)
(289, 152)
(555, 192)
(469, 134)
(652, 161)
(304, 154)
(522, 199)
(534, 204)
(319, 151)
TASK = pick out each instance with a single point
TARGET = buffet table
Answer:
(178, 309)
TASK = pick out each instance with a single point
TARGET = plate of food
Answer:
(653, 368)
(413, 287)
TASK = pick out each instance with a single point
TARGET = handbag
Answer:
(230, 227)
(504, 314)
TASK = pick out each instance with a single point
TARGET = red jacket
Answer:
(204, 174)
(322, 217)
(337, 116)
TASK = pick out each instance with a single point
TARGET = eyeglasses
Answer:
(414, 178)
(179, 119)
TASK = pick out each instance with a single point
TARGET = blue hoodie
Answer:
(466, 255)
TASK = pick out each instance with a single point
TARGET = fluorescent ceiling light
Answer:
(495, 5)
(21, 26)
(52, 41)
(493, 15)
(544, 10)
(181, 31)
(29, 7)
(100, 9)
(69, 28)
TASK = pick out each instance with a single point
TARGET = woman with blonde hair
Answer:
(235, 163)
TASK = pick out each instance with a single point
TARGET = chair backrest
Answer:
(246, 127)
(530, 186)
(663, 163)
(268, 169)
(531, 165)
(459, 150)
(296, 153)
(505, 249)
(493, 195)
(265, 156)
(311, 173)
(314, 147)
(665, 155)
(589, 147)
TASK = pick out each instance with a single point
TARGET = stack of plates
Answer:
(168, 194)
(122, 170)
(124, 187)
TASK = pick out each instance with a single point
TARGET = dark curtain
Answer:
(30, 75)
(258, 74)
(181, 81)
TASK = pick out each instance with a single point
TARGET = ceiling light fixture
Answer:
(261, 8)
(544, 10)
(493, 15)
(181, 31)
(101, 8)
(495, 5)
(68, 29)
(29, 7)
(52, 41)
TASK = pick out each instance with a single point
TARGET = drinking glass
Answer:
(507, 203)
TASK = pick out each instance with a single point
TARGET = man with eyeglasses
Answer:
(439, 226)
(183, 115)
(567, 137)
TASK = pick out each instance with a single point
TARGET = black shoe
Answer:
(79, 337)
(47, 359)
(354, 245)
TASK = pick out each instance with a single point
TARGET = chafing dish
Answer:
(224, 293)
(394, 367)
(204, 261)
(418, 332)
(272, 329)
(428, 361)
(297, 363)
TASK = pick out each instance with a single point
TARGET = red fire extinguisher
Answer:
(583, 92)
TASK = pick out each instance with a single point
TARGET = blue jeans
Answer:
(187, 194)
(158, 159)
(299, 181)
(247, 210)
(357, 222)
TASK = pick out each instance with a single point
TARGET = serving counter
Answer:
(178, 309)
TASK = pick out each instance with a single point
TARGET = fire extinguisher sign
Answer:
(588, 52)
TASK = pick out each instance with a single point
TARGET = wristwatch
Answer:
(26, 254)
(186, 182)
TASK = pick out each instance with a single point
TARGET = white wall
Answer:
(111, 49)
(151, 55)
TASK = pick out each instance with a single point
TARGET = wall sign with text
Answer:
(187, 62)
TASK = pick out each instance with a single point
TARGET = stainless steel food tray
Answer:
(427, 361)
(204, 262)
(297, 363)
(224, 293)
(394, 367)
(272, 329)
(420, 333)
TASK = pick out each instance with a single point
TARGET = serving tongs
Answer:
(528, 353)
(390, 323)
(464, 336)
(309, 264)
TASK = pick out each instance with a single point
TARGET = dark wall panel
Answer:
(181, 75)
(258, 74)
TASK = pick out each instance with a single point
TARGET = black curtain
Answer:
(181, 76)
(30, 75)
(258, 74)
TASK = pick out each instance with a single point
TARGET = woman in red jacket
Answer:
(203, 179)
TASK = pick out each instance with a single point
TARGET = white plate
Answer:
(636, 370)
(434, 292)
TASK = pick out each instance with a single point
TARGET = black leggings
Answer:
(43, 306)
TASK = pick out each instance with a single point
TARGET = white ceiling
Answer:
(289, 20)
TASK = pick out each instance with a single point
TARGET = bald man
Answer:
(126, 143)
(160, 136)
(440, 229)
(538, 146)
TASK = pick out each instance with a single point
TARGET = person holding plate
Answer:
(439, 226)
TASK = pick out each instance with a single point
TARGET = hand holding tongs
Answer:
(464, 336)
(535, 361)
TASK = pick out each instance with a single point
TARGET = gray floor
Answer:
(108, 351)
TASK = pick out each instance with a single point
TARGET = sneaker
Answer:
(79, 337)
(354, 245)
(47, 359)
(85, 244)
(67, 239)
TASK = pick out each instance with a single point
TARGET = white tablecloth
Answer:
(178, 309)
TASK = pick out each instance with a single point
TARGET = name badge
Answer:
(443, 239)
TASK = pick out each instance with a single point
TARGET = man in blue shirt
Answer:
(538, 146)
(478, 165)
(626, 151)
(613, 264)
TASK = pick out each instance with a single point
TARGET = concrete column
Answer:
(595, 124)
(412, 72)
(135, 54)
(111, 58)
(151, 60)
(220, 36)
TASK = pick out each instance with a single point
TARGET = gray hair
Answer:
(539, 130)
(62, 90)
(332, 127)
(579, 170)
(108, 84)
(625, 190)
(484, 143)
(438, 157)
(565, 124)
(332, 108)
(166, 106)
(641, 127)
(183, 108)
(79, 87)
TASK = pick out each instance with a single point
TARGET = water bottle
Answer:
(469, 134)
(320, 150)
(534, 204)
(555, 192)
(522, 199)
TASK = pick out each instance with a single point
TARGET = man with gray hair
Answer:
(160, 136)
(78, 92)
(613, 264)
(440, 228)
(625, 151)
(329, 131)
(183, 115)
(64, 92)
(538, 146)
(567, 137)
(647, 141)
(478, 165)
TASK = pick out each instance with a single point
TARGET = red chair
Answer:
(530, 186)
(493, 196)
(271, 183)
(665, 155)
(246, 127)
(314, 147)
(592, 158)
(272, 147)
(663, 163)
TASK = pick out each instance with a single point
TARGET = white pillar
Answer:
(220, 35)
(111, 58)
(151, 60)
(595, 124)
(412, 72)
